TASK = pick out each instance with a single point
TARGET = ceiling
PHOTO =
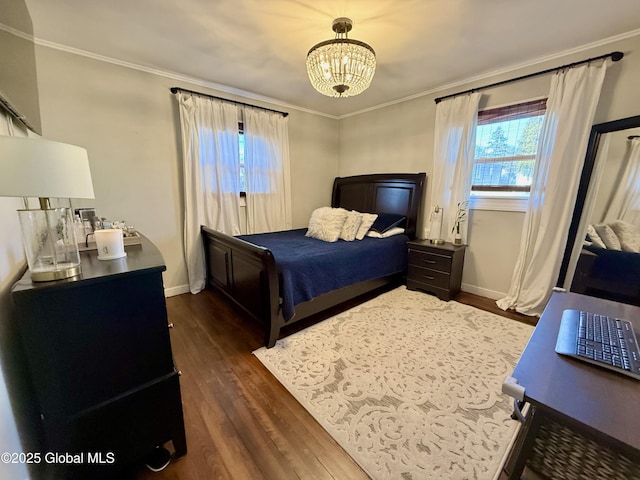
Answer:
(259, 47)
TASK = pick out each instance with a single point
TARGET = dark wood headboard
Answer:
(399, 193)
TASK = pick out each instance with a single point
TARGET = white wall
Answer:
(400, 138)
(129, 123)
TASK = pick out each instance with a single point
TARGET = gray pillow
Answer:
(594, 237)
(367, 221)
(350, 227)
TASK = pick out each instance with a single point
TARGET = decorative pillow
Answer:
(608, 236)
(386, 221)
(594, 237)
(389, 233)
(350, 227)
(628, 235)
(326, 223)
(365, 225)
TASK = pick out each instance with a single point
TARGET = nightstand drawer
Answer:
(429, 277)
(430, 260)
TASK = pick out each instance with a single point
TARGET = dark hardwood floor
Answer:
(489, 305)
(240, 422)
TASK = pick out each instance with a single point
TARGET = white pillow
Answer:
(608, 236)
(326, 223)
(389, 233)
(628, 235)
(350, 226)
(367, 221)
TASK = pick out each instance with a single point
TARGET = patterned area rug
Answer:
(407, 384)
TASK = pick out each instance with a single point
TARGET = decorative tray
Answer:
(130, 239)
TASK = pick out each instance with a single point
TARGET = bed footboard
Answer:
(247, 274)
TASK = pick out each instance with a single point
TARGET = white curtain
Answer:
(453, 152)
(211, 169)
(625, 203)
(266, 160)
(571, 106)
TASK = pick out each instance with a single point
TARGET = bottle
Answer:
(79, 229)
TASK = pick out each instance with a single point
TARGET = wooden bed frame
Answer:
(247, 273)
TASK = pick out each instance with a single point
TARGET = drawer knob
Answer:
(179, 373)
(429, 261)
(170, 325)
(428, 277)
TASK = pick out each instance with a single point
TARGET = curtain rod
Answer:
(178, 89)
(615, 56)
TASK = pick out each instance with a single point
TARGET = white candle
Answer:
(110, 242)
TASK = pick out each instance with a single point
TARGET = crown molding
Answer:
(17, 33)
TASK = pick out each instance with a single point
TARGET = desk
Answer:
(577, 397)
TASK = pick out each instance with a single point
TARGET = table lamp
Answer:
(34, 167)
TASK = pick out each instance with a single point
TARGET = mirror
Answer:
(18, 84)
(608, 154)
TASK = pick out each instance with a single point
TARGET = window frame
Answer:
(505, 197)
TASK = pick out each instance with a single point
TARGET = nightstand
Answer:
(436, 269)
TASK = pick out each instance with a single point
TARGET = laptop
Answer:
(600, 340)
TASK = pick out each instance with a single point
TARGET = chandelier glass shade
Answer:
(341, 67)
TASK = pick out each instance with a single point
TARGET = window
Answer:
(506, 147)
(243, 185)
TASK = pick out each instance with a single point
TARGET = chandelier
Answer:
(341, 67)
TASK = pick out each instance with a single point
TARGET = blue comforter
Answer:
(309, 267)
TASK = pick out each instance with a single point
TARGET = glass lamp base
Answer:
(50, 244)
(62, 272)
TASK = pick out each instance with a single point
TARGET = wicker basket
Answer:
(560, 453)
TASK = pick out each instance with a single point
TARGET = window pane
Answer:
(506, 146)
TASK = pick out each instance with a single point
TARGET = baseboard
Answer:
(179, 290)
(483, 292)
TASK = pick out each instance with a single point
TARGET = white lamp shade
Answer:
(34, 167)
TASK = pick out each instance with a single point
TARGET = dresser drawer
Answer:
(429, 277)
(97, 340)
(433, 261)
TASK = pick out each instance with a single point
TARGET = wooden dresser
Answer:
(436, 269)
(99, 357)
